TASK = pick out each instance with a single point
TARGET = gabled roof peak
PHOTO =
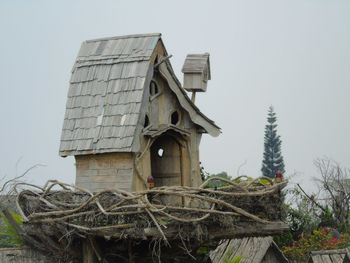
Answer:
(125, 37)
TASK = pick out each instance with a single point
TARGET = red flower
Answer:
(294, 243)
(334, 244)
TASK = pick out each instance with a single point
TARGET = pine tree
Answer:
(273, 159)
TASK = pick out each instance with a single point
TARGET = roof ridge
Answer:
(125, 36)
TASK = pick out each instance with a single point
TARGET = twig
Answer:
(311, 199)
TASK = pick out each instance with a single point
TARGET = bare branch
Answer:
(311, 199)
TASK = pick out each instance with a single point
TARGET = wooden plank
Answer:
(23, 255)
(88, 255)
(255, 247)
(326, 259)
(239, 252)
(244, 229)
(337, 258)
(317, 259)
(218, 254)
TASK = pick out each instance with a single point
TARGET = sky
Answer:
(294, 55)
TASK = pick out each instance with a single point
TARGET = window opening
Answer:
(153, 88)
(156, 60)
(160, 152)
(174, 118)
(146, 121)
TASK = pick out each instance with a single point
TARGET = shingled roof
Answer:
(106, 92)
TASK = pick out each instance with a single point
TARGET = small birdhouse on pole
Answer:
(196, 71)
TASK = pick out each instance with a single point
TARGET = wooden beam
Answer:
(88, 254)
(240, 230)
(249, 229)
(193, 98)
(328, 252)
(96, 248)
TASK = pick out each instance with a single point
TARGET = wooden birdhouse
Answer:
(128, 117)
(196, 71)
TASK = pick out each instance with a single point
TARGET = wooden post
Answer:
(131, 256)
(193, 98)
(88, 254)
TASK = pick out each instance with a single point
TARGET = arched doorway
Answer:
(166, 161)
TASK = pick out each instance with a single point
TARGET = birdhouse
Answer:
(196, 71)
(128, 118)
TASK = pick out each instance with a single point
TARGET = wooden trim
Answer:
(185, 102)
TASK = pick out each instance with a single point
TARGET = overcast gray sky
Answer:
(294, 55)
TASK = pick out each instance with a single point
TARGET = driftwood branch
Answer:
(162, 214)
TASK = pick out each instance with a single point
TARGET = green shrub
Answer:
(9, 235)
(318, 240)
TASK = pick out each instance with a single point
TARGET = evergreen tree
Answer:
(273, 159)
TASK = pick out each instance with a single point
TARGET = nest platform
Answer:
(160, 224)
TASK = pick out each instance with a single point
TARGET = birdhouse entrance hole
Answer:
(160, 152)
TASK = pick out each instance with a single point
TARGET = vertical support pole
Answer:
(131, 256)
(193, 98)
(185, 166)
(88, 253)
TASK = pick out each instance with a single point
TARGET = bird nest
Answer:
(59, 213)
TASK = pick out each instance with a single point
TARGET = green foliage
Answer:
(327, 217)
(301, 215)
(318, 240)
(273, 159)
(9, 236)
(284, 239)
(217, 183)
(204, 249)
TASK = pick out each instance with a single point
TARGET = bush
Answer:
(318, 240)
(9, 236)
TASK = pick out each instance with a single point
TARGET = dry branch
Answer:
(188, 212)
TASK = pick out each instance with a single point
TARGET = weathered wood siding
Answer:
(23, 255)
(180, 166)
(194, 82)
(326, 256)
(271, 257)
(251, 249)
(104, 171)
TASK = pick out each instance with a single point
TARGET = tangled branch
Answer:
(113, 210)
